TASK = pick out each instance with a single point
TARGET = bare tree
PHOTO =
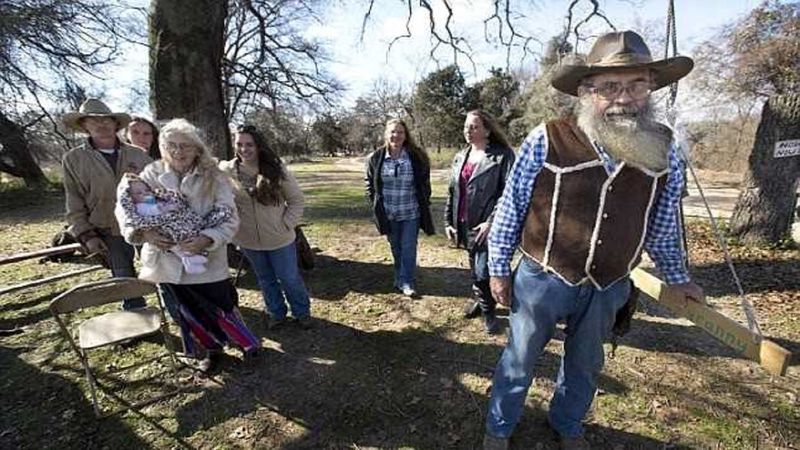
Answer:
(760, 58)
(267, 62)
(211, 60)
(45, 44)
(187, 46)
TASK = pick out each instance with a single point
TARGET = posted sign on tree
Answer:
(785, 149)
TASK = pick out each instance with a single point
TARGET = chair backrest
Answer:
(97, 293)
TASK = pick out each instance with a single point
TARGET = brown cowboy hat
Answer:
(93, 108)
(620, 50)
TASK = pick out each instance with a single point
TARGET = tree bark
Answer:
(15, 156)
(764, 211)
(187, 44)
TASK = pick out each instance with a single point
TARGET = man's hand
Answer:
(501, 289)
(95, 246)
(690, 291)
(450, 232)
(196, 244)
(483, 232)
(153, 237)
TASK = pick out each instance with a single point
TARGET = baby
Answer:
(168, 213)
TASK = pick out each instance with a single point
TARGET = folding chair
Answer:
(111, 328)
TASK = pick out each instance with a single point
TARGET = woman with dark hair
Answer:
(398, 182)
(143, 133)
(477, 180)
(270, 205)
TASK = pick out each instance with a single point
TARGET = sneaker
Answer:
(491, 323)
(410, 292)
(305, 322)
(573, 443)
(472, 310)
(494, 443)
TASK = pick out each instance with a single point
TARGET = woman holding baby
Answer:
(207, 300)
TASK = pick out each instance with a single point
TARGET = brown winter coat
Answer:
(90, 186)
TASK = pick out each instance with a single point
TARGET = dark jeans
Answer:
(479, 267)
(120, 259)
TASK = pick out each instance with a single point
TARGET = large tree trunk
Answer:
(187, 42)
(15, 155)
(763, 213)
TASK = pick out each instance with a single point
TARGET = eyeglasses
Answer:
(183, 146)
(611, 90)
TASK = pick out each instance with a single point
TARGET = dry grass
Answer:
(383, 371)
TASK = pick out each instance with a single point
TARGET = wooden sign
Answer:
(774, 358)
(785, 149)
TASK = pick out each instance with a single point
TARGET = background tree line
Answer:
(216, 62)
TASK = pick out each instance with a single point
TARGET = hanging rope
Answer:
(671, 40)
(671, 37)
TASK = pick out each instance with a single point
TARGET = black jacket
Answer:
(422, 186)
(484, 187)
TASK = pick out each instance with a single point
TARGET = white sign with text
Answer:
(785, 149)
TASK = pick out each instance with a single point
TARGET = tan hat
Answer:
(93, 108)
(620, 50)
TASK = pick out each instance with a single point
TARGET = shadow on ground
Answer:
(758, 275)
(49, 411)
(339, 387)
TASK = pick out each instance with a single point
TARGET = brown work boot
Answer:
(494, 443)
(573, 443)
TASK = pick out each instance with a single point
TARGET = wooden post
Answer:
(771, 356)
(61, 249)
(30, 284)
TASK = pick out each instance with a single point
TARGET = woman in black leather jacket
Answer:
(477, 180)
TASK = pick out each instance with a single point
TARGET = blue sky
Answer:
(360, 63)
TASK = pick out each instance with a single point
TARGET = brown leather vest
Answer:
(584, 224)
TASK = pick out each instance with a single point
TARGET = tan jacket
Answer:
(90, 186)
(266, 227)
(164, 266)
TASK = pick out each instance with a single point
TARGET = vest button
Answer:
(594, 266)
(605, 215)
(610, 188)
(599, 242)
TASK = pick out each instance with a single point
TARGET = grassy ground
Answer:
(383, 371)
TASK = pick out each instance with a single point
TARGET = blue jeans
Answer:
(403, 240)
(278, 275)
(479, 266)
(120, 259)
(539, 301)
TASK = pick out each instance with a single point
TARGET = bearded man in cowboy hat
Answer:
(586, 195)
(91, 174)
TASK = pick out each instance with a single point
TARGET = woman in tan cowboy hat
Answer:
(91, 174)
(586, 196)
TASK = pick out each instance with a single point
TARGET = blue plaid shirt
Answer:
(399, 195)
(662, 238)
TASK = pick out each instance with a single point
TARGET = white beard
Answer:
(627, 134)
